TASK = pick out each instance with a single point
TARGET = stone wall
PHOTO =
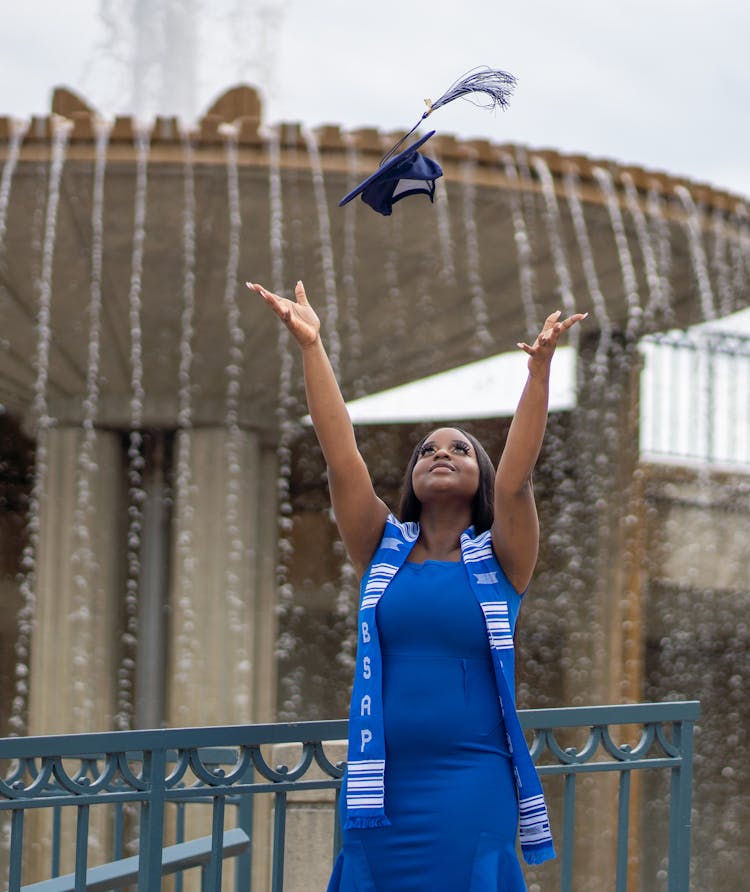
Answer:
(697, 647)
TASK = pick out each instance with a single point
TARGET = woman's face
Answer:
(446, 466)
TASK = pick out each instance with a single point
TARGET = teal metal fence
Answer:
(145, 774)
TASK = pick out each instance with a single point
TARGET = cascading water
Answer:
(297, 222)
(27, 610)
(125, 704)
(694, 227)
(393, 299)
(720, 263)
(234, 372)
(473, 261)
(285, 413)
(572, 191)
(552, 219)
(185, 636)
(629, 281)
(654, 279)
(83, 558)
(43, 422)
(445, 237)
(349, 271)
(741, 248)
(288, 691)
(661, 236)
(523, 248)
(529, 199)
(331, 317)
(300, 635)
(25, 619)
(14, 148)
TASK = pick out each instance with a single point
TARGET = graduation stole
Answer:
(365, 785)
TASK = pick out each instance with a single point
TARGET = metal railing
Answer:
(153, 772)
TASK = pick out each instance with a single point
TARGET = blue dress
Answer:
(449, 789)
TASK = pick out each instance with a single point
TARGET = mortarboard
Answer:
(407, 172)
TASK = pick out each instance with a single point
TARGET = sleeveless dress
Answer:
(449, 784)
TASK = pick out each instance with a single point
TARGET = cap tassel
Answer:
(494, 85)
(491, 84)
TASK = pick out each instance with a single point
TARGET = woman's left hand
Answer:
(540, 353)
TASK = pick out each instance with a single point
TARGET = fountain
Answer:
(175, 552)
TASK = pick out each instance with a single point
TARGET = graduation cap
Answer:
(407, 173)
(404, 172)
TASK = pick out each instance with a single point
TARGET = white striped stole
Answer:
(534, 822)
(498, 624)
(365, 783)
(479, 549)
(377, 582)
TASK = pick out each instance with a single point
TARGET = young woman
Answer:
(438, 771)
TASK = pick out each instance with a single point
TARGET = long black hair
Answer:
(483, 506)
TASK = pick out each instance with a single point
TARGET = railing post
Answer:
(179, 837)
(244, 864)
(56, 836)
(212, 874)
(152, 821)
(82, 848)
(337, 843)
(16, 850)
(680, 818)
(279, 841)
(623, 831)
(569, 819)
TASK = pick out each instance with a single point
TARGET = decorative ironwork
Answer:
(227, 766)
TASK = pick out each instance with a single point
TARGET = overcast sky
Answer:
(664, 84)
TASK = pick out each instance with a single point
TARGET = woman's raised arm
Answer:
(515, 530)
(360, 514)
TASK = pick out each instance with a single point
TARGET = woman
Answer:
(438, 769)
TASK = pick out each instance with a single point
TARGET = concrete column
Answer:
(79, 582)
(222, 634)
(79, 570)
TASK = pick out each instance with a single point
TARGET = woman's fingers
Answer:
(279, 305)
(571, 320)
(299, 293)
(554, 325)
(275, 301)
(551, 330)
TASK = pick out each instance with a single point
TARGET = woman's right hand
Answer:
(298, 316)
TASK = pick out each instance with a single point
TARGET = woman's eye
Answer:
(426, 450)
(463, 448)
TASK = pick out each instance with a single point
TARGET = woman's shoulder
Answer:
(479, 549)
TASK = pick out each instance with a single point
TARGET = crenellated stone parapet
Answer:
(240, 107)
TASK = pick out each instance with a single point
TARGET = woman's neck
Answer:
(440, 535)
